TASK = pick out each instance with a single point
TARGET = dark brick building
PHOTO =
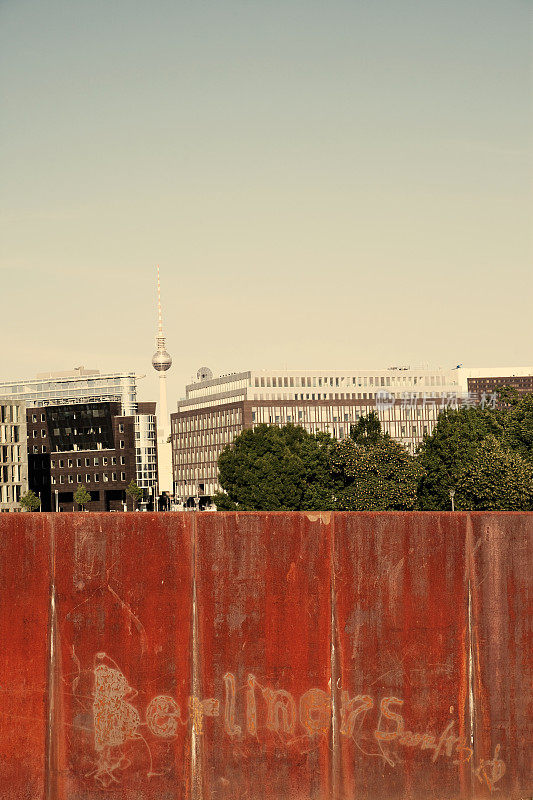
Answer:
(522, 383)
(95, 446)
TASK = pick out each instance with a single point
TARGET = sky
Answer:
(338, 185)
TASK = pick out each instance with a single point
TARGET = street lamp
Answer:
(452, 495)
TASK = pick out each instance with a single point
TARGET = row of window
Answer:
(95, 462)
(89, 478)
(361, 380)
(218, 419)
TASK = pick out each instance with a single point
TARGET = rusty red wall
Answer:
(273, 656)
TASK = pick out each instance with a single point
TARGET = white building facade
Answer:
(13, 454)
(215, 410)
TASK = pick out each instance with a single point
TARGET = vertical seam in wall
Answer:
(51, 733)
(333, 670)
(470, 641)
(196, 765)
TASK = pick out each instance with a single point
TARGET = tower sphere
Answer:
(161, 361)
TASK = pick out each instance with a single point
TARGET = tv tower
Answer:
(161, 362)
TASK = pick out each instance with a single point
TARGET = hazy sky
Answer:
(324, 184)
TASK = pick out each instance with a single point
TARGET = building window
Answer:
(96, 477)
(113, 460)
(113, 476)
(104, 461)
(105, 477)
(43, 417)
(43, 433)
(121, 428)
(34, 417)
(87, 478)
(95, 462)
(87, 462)
(122, 459)
(78, 462)
(78, 478)
(122, 476)
(43, 448)
(121, 444)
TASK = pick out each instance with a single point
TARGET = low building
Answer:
(216, 409)
(96, 445)
(13, 454)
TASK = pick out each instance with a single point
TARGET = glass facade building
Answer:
(77, 386)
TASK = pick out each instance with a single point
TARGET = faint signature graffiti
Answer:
(117, 721)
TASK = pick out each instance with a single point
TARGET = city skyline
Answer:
(340, 187)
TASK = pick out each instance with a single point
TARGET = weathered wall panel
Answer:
(123, 605)
(264, 630)
(500, 556)
(24, 620)
(401, 626)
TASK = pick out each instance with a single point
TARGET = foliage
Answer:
(452, 444)
(134, 491)
(82, 497)
(377, 474)
(273, 468)
(496, 478)
(368, 430)
(29, 501)
(517, 420)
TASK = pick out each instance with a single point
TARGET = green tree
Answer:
(82, 497)
(377, 474)
(273, 468)
(495, 479)
(367, 430)
(29, 501)
(517, 420)
(452, 444)
(135, 492)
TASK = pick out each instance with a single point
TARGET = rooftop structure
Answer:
(79, 385)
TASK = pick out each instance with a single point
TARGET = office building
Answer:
(487, 385)
(13, 454)
(82, 386)
(215, 410)
(95, 445)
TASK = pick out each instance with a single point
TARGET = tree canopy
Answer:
(29, 501)
(496, 478)
(81, 496)
(134, 491)
(445, 452)
(273, 468)
(376, 473)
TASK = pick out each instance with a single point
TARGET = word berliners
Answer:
(116, 720)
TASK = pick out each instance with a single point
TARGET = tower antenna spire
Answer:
(159, 315)
(161, 362)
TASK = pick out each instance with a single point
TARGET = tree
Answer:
(367, 430)
(451, 445)
(378, 474)
(29, 501)
(135, 492)
(273, 468)
(495, 479)
(82, 497)
(517, 420)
